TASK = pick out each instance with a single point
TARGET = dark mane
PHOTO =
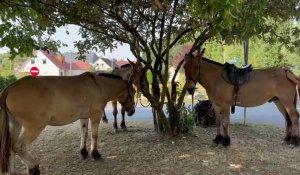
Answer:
(109, 75)
(213, 62)
(126, 65)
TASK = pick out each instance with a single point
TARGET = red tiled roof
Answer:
(120, 63)
(77, 65)
(53, 57)
(59, 61)
(180, 55)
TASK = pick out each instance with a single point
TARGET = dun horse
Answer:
(269, 84)
(126, 72)
(32, 103)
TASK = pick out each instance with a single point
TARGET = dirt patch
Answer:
(255, 149)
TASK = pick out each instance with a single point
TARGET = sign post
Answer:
(34, 71)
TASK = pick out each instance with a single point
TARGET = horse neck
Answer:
(208, 74)
(113, 88)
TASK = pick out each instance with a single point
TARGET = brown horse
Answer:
(32, 103)
(269, 84)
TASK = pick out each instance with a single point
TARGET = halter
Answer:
(128, 96)
(191, 79)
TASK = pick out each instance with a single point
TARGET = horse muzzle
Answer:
(191, 91)
(131, 112)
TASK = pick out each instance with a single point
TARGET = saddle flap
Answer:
(237, 76)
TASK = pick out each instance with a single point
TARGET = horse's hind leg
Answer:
(23, 145)
(15, 130)
(115, 113)
(292, 111)
(84, 125)
(288, 122)
(95, 121)
(123, 125)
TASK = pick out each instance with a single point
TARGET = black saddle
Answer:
(237, 76)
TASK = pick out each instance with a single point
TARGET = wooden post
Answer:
(246, 57)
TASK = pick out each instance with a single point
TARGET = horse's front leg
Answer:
(123, 125)
(95, 122)
(84, 123)
(222, 123)
(115, 113)
(104, 118)
(225, 122)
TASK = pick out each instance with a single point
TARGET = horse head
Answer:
(127, 100)
(192, 69)
(138, 75)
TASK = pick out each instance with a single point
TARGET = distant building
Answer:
(89, 57)
(52, 64)
(104, 64)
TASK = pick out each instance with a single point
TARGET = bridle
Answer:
(191, 79)
(128, 97)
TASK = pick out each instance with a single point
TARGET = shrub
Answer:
(186, 121)
(5, 81)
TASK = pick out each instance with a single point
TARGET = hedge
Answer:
(5, 81)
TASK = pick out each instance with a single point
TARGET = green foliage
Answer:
(261, 54)
(186, 121)
(5, 81)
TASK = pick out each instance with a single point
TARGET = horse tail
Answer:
(5, 139)
(292, 77)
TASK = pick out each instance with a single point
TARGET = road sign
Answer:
(34, 71)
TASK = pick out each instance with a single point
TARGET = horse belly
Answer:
(251, 97)
(59, 118)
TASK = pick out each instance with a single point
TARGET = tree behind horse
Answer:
(32, 103)
(269, 84)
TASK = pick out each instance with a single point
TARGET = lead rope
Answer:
(298, 97)
(297, 87)
(193, 103)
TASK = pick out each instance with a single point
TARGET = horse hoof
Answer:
(35, 170)
(226, 141)
(124, 128)
(294, 141)
(218, 139)
(84, 153)
(105, 120)
(287, 139)
(95, 154)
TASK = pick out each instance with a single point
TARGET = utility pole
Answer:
(246, 58)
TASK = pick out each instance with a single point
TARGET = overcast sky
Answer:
(122, 52)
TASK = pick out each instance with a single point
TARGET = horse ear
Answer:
(131, 63)
(202, 52)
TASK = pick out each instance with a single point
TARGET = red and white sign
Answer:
(34, 71)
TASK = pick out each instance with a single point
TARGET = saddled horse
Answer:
(268, 84)
(32, 103)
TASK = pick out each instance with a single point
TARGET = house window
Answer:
(44, 61)
(32, 61)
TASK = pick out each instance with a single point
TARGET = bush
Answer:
(5, 81)
(186, 121)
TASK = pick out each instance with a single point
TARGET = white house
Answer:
(100, 64)
(50, 63)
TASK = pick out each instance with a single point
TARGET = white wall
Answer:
(100, 65)
(74, 72)
(46, 69)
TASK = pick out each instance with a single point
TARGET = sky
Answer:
(122, 52)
